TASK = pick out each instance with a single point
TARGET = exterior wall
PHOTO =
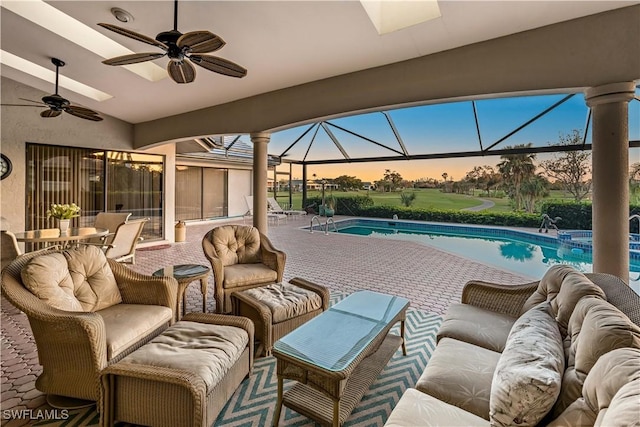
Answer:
(20, 125)
(239, 186)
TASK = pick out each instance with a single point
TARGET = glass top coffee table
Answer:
(337, 355)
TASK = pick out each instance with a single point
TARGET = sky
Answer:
(440, 128)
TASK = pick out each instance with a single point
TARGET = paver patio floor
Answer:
(430, 278)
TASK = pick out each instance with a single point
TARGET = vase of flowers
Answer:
(63, 213)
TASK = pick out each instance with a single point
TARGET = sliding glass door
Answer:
(201, 193)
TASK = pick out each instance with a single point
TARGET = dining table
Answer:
(54, 235)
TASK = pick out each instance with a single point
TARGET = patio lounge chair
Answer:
(275, 207)
(274, 217)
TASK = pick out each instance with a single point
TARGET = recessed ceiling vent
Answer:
(121, 15)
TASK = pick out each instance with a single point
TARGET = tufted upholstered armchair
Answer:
(241, 258)
(86, 312)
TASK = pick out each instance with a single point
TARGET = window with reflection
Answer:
(97, 181)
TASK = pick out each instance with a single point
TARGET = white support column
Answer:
(260, 141)
(610, 158)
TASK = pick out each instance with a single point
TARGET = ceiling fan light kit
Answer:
(181, 49)
(57, 104)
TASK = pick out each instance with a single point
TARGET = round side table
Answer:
(185, 274)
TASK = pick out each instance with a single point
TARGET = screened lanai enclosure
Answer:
(469, 129)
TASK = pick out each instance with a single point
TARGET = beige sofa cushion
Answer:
(528, 375)
(548, 287)
(238, 275)
(624, 409)
(419, 409)
(48, 278)
(610, 394)
(475, 325)
(595, 328)
(129, 324)
(563, 286)
(95, 285)
(236, 244)
(460, 374)
(206, 350)
(286, 301)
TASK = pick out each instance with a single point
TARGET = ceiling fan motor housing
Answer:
(56, 102)
(170, 38)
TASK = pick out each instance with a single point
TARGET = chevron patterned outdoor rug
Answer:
(253, 404)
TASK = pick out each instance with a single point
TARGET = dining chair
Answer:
(9, 247)
(125, 239)
(109, 221)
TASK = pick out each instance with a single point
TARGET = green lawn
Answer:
(425, 199)
(431, 198)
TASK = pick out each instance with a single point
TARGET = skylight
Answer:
(63, 25)
(392, 15)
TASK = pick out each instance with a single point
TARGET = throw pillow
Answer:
(527, 379)
(48, 278)
(95, 286)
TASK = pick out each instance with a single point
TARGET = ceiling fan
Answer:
(58, 104)
(180, 48)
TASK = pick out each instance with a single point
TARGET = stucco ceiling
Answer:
(281, 43)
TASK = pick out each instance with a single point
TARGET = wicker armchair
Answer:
(241, 258)
(75, 346)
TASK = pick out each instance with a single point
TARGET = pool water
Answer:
(524, 253)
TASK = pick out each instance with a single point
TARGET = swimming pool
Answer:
(530, 254)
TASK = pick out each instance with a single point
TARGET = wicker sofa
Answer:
(86, 312)
(523, 354)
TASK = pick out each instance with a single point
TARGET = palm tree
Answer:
(515, 169)
(533, 189)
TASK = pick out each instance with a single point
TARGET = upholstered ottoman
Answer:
(279, 308)
(183, 377)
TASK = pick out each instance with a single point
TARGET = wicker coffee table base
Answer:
(333, 412)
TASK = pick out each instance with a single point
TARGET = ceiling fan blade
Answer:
(35, 102)
(133, 35)
(81, 110)
(181, 72)
(83, 113)
(200, 41)
(133, 58)
(50, 113)
(22, 105)
(219, 65)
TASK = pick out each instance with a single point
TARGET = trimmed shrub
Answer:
(577, 215)
(460, 217)
(351, 205)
